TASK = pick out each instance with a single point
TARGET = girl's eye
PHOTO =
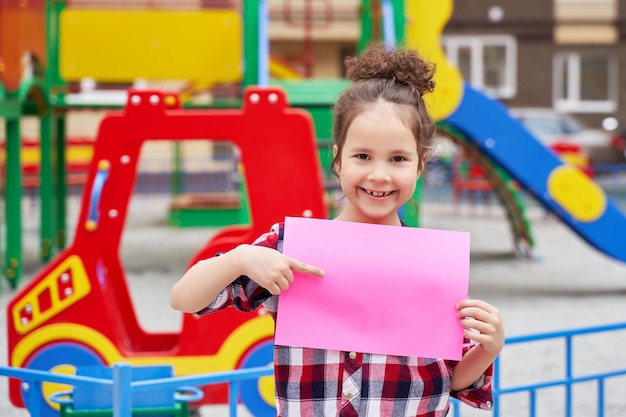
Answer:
(398, 158)
(361, 156)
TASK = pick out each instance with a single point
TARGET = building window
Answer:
(585, 83)
(487, 62)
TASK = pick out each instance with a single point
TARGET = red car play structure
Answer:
(78, 311)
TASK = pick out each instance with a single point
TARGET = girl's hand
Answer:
(483, 324)
(271, 269)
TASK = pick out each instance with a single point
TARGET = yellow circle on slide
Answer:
(49, 388)
(266, 388)
(576, 193)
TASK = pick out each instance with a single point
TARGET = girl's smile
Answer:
(378, 194)
(379, 166)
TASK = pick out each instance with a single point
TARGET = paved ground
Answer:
(568, 285)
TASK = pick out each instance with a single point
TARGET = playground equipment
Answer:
(51, 323)
(50, 320)
(47, 45)
(89, 401)
(23, 93)
(78, 157)
(522, 394)
(563, 189)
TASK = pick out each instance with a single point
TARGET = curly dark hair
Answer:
(384, 74)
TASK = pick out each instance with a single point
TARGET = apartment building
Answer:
(564, 54)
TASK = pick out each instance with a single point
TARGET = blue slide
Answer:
(575, 198)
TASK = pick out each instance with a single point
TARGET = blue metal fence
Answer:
(123, 386)
(567, 381)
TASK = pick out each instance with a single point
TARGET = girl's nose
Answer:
(379, 174)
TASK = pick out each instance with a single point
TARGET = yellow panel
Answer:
(427, 19)
(123, 45)
(30, 155)
(79, 154)
(71, 270)
(576, 193)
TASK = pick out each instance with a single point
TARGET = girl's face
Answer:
(379, 167)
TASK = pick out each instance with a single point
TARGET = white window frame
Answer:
(476, 45)
(573, 102)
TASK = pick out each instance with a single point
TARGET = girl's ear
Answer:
(422, 165)
(337, 164)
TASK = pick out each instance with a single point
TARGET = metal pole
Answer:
(250, 42)
(122, 390)
(46, 230)
(61, 184)
(54, 84)
(176, 180)
(365, 13)
(389, 29)
(399, 19)
(13, 203)
(263, 45)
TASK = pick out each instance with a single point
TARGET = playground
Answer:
(569, 285)
(89, 269)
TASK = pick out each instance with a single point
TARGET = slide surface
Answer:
(575, 198)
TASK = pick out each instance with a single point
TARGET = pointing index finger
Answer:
(306, 268)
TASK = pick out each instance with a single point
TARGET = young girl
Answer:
(382, 136)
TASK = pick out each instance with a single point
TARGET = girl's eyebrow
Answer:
(353, 150)
(366, 150)
(401, 152)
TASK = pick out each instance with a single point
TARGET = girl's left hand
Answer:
(483, 324)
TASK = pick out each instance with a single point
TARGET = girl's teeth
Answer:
(378, 194)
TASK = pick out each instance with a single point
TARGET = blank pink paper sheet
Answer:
(387, 290)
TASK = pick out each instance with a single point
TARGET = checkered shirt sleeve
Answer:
(243, 293)
(479, 394)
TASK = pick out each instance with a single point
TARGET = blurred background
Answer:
(531, 159)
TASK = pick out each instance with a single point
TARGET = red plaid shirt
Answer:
(318, 382)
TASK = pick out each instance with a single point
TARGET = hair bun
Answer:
(381, 62)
